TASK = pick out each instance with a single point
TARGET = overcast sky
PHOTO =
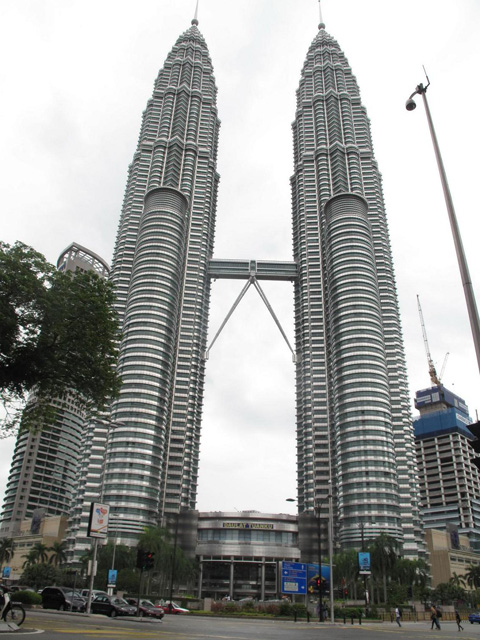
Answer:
(75, 78)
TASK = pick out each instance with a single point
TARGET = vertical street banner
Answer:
(98, 521)
(112, 577)
(364, 563)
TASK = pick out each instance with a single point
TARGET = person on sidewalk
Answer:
(398, 615)
(434, 617)
(458, 620)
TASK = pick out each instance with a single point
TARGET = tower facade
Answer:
(354, 431)
(160, 264)
(44, 466)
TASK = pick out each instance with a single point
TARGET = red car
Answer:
(173, 607)
(147, 608)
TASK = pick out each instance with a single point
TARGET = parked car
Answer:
(63, 599)
(95, 593)
(147, 608)
(173, 607)
(112, 606)
(474, 617)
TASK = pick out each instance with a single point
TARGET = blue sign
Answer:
(364, 561)
(294, 577)
(112, 576)
(6, 572)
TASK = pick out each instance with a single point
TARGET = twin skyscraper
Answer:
(354, 432)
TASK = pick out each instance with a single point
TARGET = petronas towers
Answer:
(160, 265)
(354, 432)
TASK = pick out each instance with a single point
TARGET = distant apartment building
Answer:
(44, 464)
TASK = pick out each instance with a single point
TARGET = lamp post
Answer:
(319, 505)
(462, 261)
(362, 529)
(174, 559)
(110, 425)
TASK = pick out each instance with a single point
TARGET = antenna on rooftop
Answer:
(322, 24)
(195, 17)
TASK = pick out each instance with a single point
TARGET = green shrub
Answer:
(349, 612)
(26, 597)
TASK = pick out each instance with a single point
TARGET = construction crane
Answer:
(431, 367)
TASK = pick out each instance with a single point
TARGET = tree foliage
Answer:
(384, 553)
(393, 578)
(473, 576)
(37, 554)
(7, 549)
(39, 575)
(447, 593)
(58, 332)
(58, 553)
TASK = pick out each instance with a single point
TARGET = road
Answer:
(64, 626)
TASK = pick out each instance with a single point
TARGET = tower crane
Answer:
(431, 367)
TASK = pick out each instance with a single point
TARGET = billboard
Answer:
(98, 521)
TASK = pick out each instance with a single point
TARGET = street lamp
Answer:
(319, 505)
(362, 529)
(110, 424)
(462, 261)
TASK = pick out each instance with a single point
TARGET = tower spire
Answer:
(195, 17)
(321, 23)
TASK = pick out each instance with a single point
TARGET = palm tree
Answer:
(30, 558)
(59, 553)
(473, 576)
(7, 549)
(384, 555)
(457, 581)
(346, 569)
(41, 550)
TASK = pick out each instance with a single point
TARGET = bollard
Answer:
(352, 619)
(360, 618)
(294, 615)
(308, 615)
(344, 618)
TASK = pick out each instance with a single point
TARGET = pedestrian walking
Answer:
(434, 617)
(458, 620)
(398, 615)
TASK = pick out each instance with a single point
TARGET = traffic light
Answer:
(149, 560)
(141, 555)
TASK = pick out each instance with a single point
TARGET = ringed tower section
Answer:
(354, 430)
(164, 242)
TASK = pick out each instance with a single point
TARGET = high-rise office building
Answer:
(353, 419)
(44, 465)
(355, 437)
(449, 479)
